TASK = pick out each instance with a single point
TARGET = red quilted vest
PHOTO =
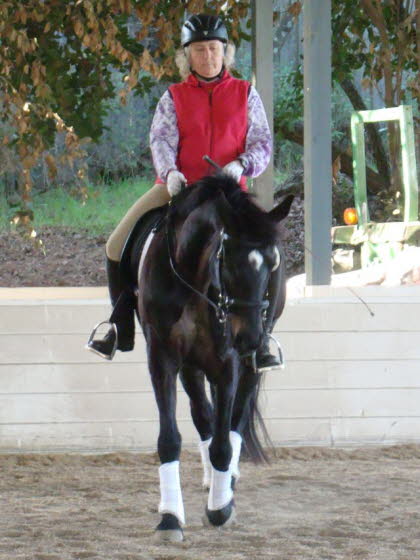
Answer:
(212, 120)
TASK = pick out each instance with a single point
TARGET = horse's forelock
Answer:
(193, 196)
(250, 220)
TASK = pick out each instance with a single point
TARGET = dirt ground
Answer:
(308, 504)
(70, 259)
(77, 259)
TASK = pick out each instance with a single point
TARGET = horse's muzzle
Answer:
(247, 342)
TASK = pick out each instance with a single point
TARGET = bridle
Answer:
(224, 304)
(229, 302)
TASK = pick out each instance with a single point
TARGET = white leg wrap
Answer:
(203, 446)
(220, 493)
(170, 491)
(235, 442)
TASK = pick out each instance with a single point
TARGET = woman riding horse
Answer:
(212, 113)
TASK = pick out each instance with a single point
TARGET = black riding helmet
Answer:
(203, 27)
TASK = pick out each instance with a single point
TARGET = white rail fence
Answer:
(351, 378)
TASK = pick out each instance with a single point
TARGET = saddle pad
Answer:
(144, 250)
(134, 245)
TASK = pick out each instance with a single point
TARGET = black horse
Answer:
(201, 303)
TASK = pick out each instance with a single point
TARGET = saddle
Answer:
(134, 246)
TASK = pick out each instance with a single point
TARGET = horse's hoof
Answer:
(168, 535)
(221, 517)
(169, 529)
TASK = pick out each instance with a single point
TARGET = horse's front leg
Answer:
(220, 507)
(163, 373)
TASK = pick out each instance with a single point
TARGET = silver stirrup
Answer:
(92, 336)
(281, 357)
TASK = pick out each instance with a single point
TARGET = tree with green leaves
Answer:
(56, 63)
(377, 40)
(57, 59)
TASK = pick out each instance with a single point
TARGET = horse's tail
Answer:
(254, 429)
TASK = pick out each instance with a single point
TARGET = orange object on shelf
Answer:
(350, 216)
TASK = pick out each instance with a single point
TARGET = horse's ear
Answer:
(281, 211)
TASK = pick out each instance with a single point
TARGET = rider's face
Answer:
(207, 57)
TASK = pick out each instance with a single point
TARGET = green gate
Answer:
(373, 242)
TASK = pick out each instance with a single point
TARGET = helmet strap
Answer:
(204, 79)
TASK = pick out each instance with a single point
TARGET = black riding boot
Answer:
(120, 335)
(265, 360)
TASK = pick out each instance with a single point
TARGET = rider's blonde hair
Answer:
(182, 59)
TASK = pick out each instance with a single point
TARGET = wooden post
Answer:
(262, 65)
(317, 140)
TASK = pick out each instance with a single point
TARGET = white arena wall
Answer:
(350, 378)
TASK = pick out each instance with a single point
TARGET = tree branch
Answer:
(376, 14)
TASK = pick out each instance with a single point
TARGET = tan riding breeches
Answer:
(157, 196)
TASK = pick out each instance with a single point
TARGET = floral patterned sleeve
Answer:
(258, 144)
(164, 136)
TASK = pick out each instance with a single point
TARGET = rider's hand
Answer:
(234, 169)
(175, 181)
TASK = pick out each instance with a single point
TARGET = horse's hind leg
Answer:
(244, 419)
(202, 415)
(163, 373)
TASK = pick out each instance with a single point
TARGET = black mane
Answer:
(249, 221)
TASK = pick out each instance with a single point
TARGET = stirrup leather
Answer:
(89, 345)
